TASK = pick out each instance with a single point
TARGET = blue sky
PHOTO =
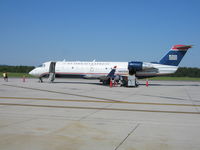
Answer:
(35, 31)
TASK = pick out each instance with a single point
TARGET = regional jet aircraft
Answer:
(107, 70)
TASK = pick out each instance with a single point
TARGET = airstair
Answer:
(52, 73)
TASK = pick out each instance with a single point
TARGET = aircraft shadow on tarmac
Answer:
(78, 83)
(142, 84)
(167, 97)
(155, 84)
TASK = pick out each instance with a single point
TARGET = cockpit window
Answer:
(43, 65)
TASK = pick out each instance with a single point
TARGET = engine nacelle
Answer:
(134, 66)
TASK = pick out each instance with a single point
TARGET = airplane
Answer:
(107, 70)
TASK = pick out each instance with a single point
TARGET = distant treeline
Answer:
(187, 72)
(16, 69)
(181, 72)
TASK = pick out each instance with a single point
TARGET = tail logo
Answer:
(172, 57)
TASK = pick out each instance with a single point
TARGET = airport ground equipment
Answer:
(133, 66)
(131, 81)
(127, 81)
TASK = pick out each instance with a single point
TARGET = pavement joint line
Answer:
(191, 100)
(97, 101)
(100, 108)
(84, 117)
(36, 89)
(165, 97)
(18, 122)
(127, 136)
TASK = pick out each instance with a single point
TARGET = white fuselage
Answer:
(98, 69)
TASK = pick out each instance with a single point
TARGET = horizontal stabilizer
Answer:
(181, 47)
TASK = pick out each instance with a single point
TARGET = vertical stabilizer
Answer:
(175, 55)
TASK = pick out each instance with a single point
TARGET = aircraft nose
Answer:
(32, 72)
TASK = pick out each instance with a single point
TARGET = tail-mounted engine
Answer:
(134, 66)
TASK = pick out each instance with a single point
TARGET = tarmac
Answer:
(82, 114)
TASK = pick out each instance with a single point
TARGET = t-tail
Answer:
(175, 55)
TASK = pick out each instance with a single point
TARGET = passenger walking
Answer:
(5, 76)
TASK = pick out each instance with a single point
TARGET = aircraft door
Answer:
(52, 72)
(52, 67)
